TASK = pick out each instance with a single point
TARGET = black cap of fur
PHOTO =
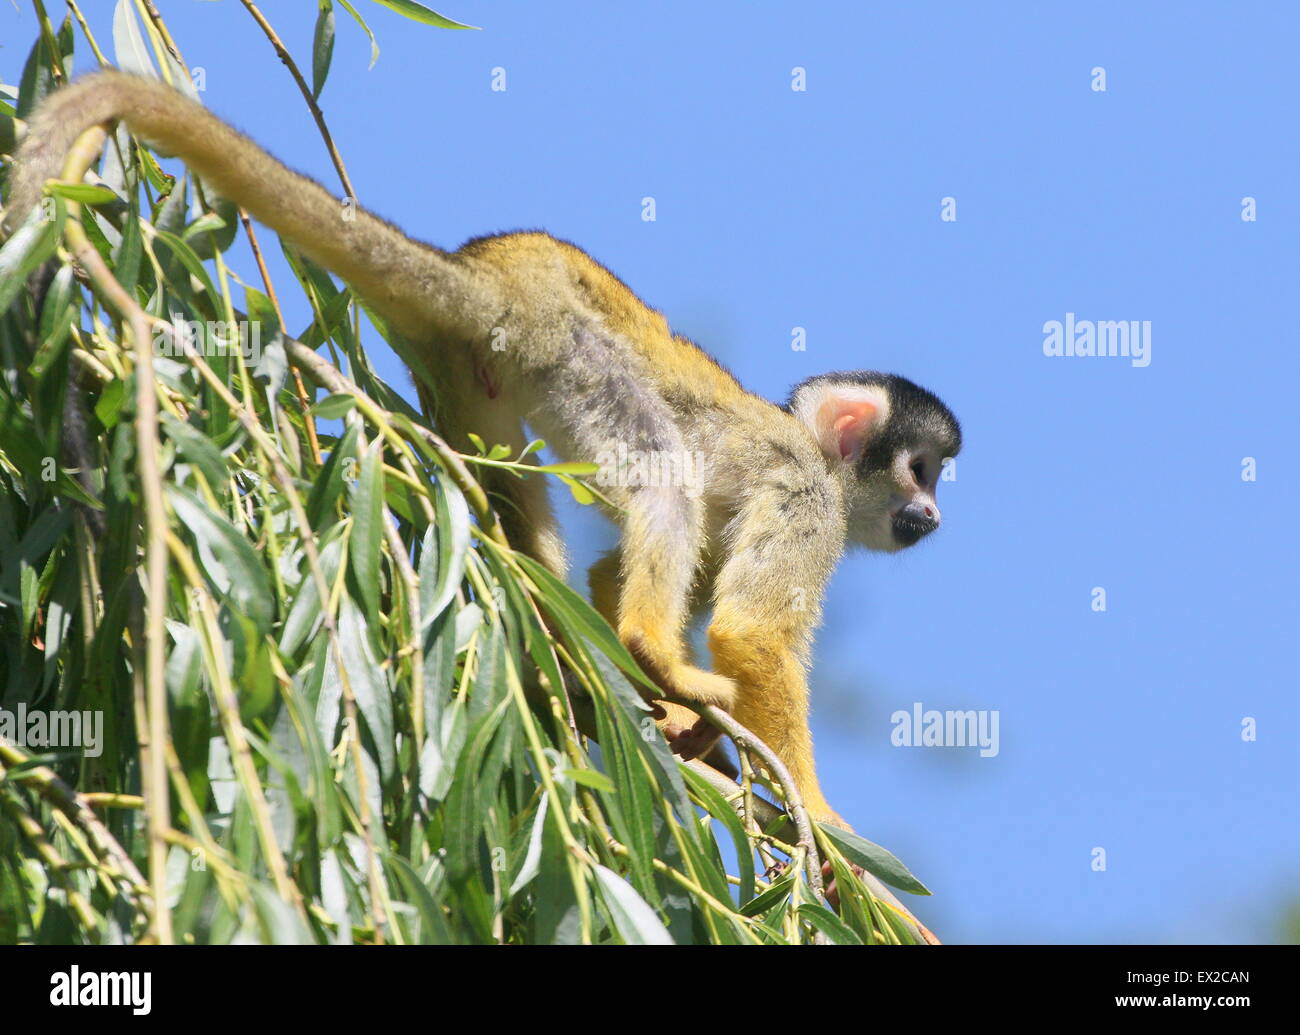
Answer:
(916, 416)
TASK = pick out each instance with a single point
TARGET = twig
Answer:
(57, 866)
(794, 801)
(151, 688)
(766, 814)
(309, 422)
(316, 113)
(50, 787)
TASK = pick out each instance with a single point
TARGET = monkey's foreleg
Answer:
(766, 604)
(688, 735)
(662, 536)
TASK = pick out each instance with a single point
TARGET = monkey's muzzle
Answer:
(913, 521)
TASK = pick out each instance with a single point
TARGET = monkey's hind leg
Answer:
(522, 503)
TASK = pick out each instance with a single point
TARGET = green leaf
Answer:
(61, 304)
(322, 47)
(580, 493)
(29, 246)
(636, 922)
(86, 193)
(419, 13)
(581, 618)
(38, 80)
(129, 252)
(716, 806)
(443, 552)
(279, 923)
(592, 778)
(365, 550)
(329, 484)
(227, 557)
(532, 858)
(433, 925)
(873, 859)
(773, 896)
(198, 449)
(335, 406)
(213, 231)
(374, 45)
(8, 129)
(473, 789)
(369, 685)
(192, 263)
(632, 810)
(558, 918)
(829, 924)
(306, 613)
(108, 407)
(129, 47)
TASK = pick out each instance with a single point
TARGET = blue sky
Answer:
(1119, 729)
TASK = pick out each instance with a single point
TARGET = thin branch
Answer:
(789, 791)
(49, 786)
(309, 422)
(765, 814)
(316, 113)
(55, 864)
(150, 680)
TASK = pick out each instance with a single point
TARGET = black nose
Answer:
(914, 521)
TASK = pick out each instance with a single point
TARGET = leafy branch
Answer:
(358, 715)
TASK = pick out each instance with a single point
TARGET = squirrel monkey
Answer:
(525, 328)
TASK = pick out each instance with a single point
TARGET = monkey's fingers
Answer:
(692, 742)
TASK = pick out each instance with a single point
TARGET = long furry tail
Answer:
(417, 287)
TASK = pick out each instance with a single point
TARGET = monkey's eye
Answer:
(918, 472)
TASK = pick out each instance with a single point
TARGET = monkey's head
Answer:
(886, 439)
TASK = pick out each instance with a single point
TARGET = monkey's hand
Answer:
(690, 736)
(694, 741)
(677, 678)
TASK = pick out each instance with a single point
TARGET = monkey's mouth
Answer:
(911, 524)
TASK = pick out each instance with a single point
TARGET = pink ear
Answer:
(844, 425)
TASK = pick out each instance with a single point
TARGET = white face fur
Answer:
(890, 496)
